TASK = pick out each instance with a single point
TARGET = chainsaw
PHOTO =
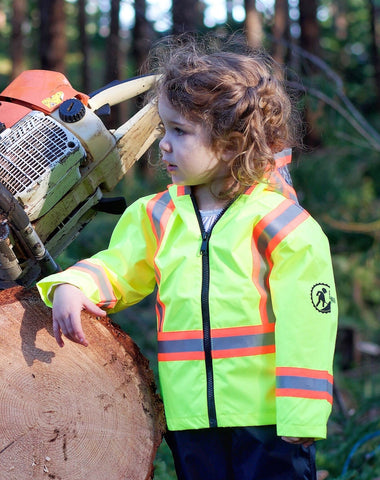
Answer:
(57, 159)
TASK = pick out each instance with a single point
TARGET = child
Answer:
(244, 348)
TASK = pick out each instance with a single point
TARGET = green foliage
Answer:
(351, 450)
(345, 41)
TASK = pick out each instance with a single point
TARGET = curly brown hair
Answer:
(239, 96)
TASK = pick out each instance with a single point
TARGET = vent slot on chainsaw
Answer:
(39, 162)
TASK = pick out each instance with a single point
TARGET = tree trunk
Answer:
(143, 35)
(113, 45)
(281, 31)
(73, 413)
(309, 41)
(339, 13)
(17, 37)
(84, 46)
(229, 8)
(374, 47)
(186, 16)
(112, 60)
(53, 43)
(253, 24)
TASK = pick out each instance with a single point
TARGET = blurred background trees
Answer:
(331, 54)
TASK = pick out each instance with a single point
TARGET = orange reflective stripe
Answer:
(181, 356)
(279, 184)
(304, 372)
(160, 312)
(159, 209)
(275, 226)
(246, 330)
(304, 383)
(186, 345)
(180, 335)
(244, 352)
(225, 342)
(283, 158)
(267, 234)
(183, 190)
(288, 392)
(260, 273)
(98, 274)
(294, 216)
(250, 189)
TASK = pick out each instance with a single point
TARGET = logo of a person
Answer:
(320, 297)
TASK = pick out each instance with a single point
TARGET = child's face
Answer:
(186, 149)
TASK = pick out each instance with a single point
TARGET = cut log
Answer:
(74, 413)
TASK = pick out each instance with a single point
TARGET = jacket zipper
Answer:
(205, 308)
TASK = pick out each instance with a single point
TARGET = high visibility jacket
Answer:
(246, 314)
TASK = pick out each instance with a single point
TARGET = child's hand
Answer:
(68, 303)
(306, 442)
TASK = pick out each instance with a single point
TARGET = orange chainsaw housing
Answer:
(42, 90)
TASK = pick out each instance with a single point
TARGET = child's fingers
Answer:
(93, 309)
(306, 442)
(58, 333)
(71, 327)
(75, 331)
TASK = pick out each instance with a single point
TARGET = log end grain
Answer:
(73, 413)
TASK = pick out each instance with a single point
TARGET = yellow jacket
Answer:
(246, 316)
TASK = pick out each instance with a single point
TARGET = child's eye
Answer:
(160, 130)
(179, 131)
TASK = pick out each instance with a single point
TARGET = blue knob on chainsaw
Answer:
(72, 110)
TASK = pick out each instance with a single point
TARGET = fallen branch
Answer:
(354, 227)
(358, 124)
(349, 112)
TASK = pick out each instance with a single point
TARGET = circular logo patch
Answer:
(320, 297)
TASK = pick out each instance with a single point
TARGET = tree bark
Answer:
(84, 46)
(73, 413)
(374, 47)
(143, 35)
(53, 43)
(17, 37)
(186, 16)
(253, 24)
(280, 31)
(112, 61)
(339, 13)
(309, 41)
(113, 44)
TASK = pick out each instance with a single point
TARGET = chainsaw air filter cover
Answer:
(39, 162)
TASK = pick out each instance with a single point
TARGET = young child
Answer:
(245, 347)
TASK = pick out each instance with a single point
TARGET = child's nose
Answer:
(164, 144)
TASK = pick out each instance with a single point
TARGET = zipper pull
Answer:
(204, 246)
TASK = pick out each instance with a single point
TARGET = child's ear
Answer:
(232, 147)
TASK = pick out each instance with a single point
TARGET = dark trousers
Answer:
(239, 453)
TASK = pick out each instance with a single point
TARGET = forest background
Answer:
(331, 53)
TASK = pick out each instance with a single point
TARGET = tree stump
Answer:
(74, 413)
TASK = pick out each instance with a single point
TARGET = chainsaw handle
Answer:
(120, 92)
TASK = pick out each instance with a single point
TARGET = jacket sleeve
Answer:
(119, 276)
(304, 302)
